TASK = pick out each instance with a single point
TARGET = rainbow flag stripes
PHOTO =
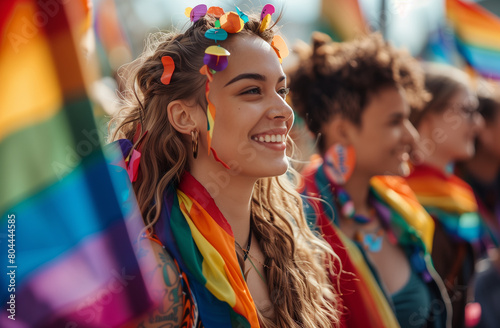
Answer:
(74, 216)
(477, 36)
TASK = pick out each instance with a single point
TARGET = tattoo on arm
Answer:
(169, 311)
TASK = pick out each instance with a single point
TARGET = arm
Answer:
(168, 313)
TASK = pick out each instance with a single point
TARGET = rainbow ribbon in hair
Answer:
(216, 57)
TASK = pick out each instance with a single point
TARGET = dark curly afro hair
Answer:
(338, 78)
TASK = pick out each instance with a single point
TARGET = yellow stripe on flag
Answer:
(30, 90)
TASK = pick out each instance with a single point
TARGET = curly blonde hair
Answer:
(299, 262)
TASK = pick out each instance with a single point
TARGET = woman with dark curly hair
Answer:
(205, 137)
(356, 98)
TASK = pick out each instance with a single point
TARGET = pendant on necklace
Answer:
(371, 241)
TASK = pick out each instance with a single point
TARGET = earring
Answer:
(194, 142)
(339, 163)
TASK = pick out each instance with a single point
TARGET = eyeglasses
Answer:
(468, 109)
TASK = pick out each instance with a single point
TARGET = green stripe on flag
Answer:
(40, 155)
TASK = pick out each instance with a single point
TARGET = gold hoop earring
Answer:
(194, 142)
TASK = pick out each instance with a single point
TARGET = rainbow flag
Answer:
(68, 219)
(441, 47)
(112, 41)
(344, 19)
(477, 36)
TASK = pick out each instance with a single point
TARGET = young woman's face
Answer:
(252, 118)
(385, 136)
(449, 135)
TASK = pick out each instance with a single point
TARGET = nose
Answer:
(280, 111)
(411, 134)
(478, 121)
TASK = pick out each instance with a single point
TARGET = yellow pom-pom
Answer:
(217, 51)
(265, 23)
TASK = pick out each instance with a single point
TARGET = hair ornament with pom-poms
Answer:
(216, 56)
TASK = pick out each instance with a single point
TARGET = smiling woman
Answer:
(250, 101)
(205, 140)
(357, 97)
(448, 125)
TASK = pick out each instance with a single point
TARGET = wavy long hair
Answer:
(299, 262)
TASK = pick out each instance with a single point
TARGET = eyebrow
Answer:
(252, 76)
(398, 116)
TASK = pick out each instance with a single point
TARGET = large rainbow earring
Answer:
(339, 163)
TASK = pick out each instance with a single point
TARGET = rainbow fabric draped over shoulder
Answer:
(448, 199)
(477, 36)
(199, 238)
(365, 303)
(407, 211)
(74, 216)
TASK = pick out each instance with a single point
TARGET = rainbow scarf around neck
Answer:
(448, 199)
(200, 239)
(407, 217)
(410, 223)
(365, 302)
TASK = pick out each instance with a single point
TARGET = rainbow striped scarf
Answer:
(448, 199)
(367, 304)
(200, 239)
(75, 215)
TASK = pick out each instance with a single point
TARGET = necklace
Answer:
(371, 241)
(347, 207)
(247, 255)
(246, 251)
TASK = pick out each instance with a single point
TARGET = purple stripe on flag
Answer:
(86, 286)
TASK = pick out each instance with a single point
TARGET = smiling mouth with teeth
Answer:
(270, 138)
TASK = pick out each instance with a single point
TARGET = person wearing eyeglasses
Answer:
(482, 172)
(448, 125)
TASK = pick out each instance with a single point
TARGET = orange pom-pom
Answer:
(231, 22)
(217, 12)
(280, 47)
